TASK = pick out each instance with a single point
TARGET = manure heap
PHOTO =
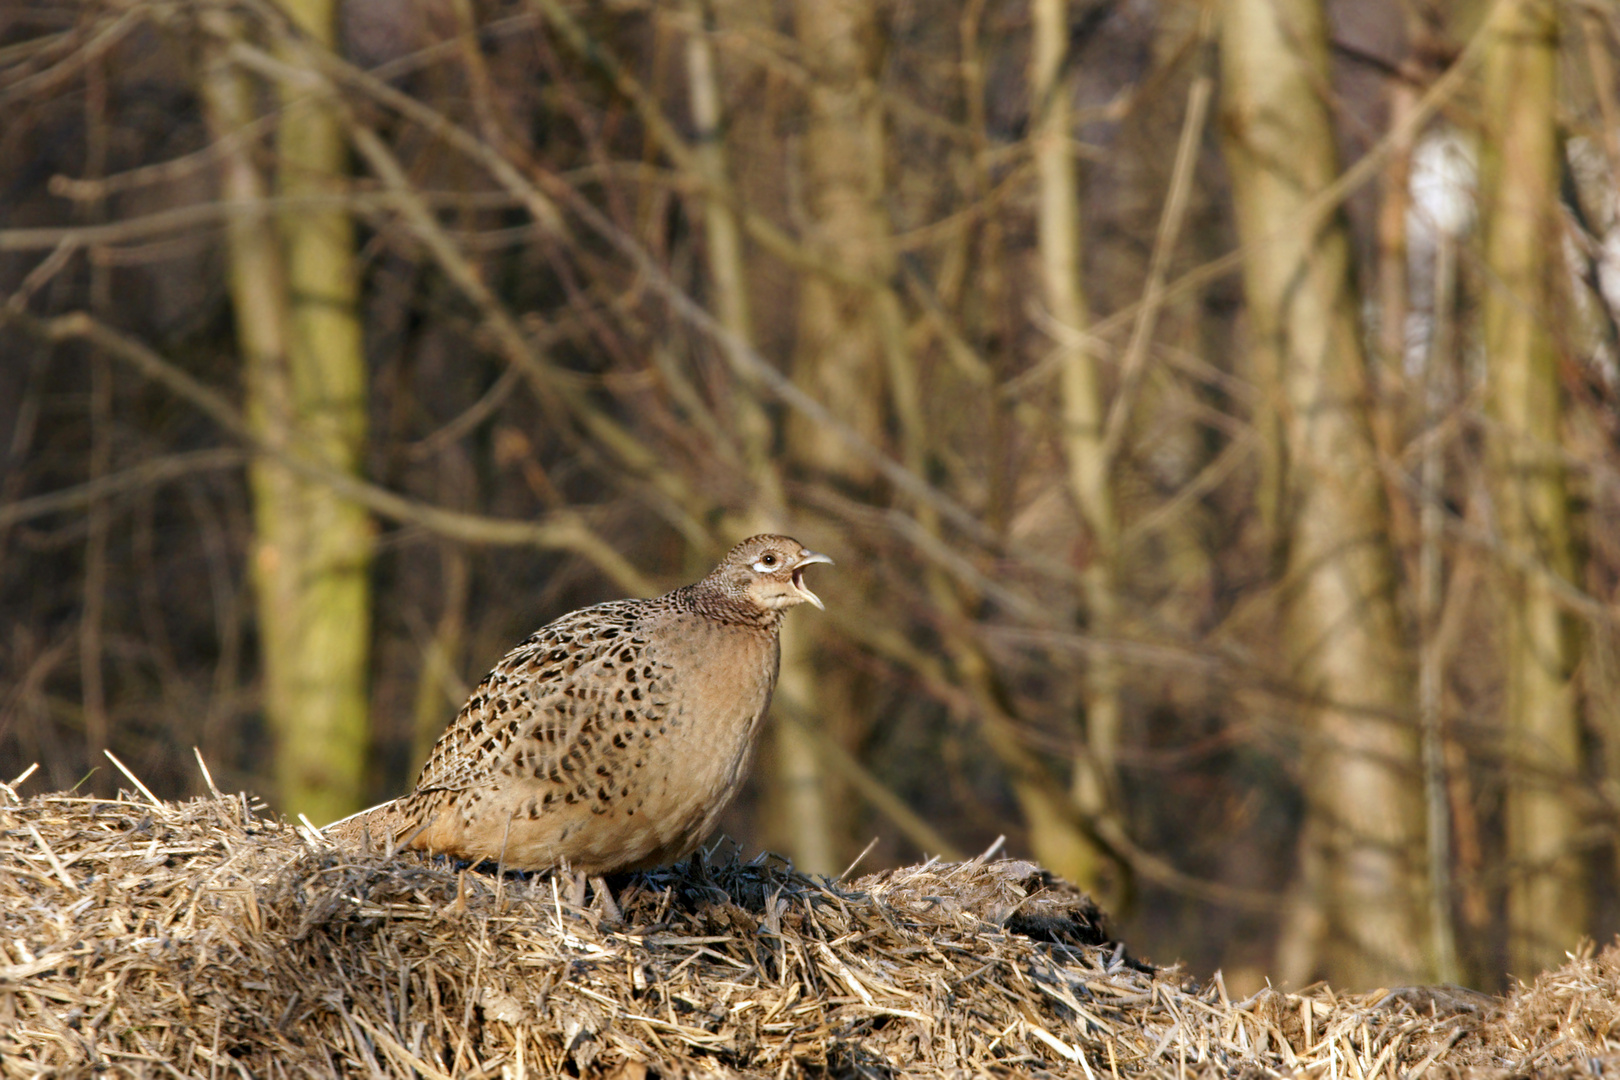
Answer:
(201, 939)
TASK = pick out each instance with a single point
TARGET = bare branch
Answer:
(557, 531)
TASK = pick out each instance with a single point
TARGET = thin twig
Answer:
(147, 474)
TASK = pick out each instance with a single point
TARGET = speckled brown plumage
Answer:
(612, 738)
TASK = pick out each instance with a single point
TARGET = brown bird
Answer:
(612, 738)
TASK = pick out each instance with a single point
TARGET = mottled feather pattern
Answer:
(612, 738)
(542, 693)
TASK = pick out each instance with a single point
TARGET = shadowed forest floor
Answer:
(198, 939)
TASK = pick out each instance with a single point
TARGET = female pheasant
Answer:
(612, 738)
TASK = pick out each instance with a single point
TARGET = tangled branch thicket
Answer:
(204, 939)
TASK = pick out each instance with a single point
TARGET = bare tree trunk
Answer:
(1437, 369)
(440, 689)
(1547, 898)
(1345, 647)
(1082, 412)
(803, 784)
(314, 556)
(726, 263)
(258, 282)
(841, 357)
(97, 728)
(293, 287)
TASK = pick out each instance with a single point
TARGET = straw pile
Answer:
(202, 939)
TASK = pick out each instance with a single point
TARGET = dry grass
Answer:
(202, 940)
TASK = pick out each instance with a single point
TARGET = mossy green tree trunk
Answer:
(313, 560)
(1547, 899)
(293, 285)
(1345, 651)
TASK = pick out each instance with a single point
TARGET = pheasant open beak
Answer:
(807, 557)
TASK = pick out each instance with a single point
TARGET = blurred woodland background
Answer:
(1211, 408)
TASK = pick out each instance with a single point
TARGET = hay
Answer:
(202, 939)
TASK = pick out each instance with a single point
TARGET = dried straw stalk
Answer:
(202, 939)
